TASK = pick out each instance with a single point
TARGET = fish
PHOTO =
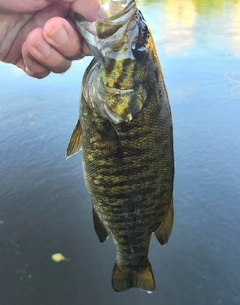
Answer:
(125, 133)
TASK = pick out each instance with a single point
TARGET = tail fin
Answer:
(124, 278)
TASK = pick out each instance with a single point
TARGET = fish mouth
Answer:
(113, 7)
(114, 17)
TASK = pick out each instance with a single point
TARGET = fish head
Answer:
(117, 83)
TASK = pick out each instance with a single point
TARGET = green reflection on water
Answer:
(201, 6)
(195, 26)
(205, 6)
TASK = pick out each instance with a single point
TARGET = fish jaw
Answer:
(104, 32)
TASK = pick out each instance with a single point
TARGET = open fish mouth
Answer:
(113, 16)
(112, 8)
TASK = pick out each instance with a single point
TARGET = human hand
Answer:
(40, 37)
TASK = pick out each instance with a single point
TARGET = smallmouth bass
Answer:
(125, 132)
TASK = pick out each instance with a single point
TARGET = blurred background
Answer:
(44, 204)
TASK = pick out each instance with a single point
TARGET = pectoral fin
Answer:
(165, 228)
(110, 135)
(75, 142)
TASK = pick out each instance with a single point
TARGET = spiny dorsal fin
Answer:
(75, 142)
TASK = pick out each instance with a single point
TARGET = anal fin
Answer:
(75, 142)
(164, 230)
(99, 227)
(124, 278)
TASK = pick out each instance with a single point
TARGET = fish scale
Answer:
(125, 132)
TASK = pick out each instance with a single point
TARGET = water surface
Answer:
(44, 204)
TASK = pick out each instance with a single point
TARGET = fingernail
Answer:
(59, 35)
(25, 66)
(43, 47)
(27, 70)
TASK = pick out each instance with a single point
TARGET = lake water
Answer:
(44, 204)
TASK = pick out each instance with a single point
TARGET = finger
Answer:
(89, 11)
(60, 34)
(30, 65)
(23, 25)
(44, 53)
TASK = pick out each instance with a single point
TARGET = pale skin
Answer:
(40, 37)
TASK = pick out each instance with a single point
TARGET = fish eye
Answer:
(139, 50)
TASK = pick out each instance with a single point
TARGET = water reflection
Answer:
(236, 30)
(181, 16)
(181, 28)
(209, 7)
